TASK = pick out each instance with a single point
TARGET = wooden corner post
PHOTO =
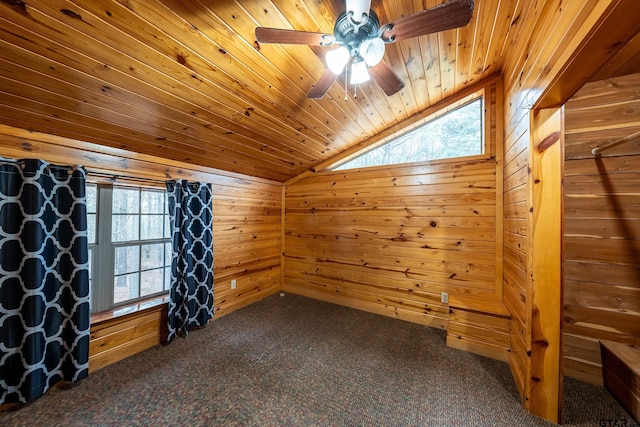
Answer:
(545, 249)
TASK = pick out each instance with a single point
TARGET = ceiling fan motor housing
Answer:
(351, 34)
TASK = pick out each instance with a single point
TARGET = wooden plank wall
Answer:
(120, 337)
(389, 240)
(246, 230)
(602, 223)
(543, 37)
(544, 249)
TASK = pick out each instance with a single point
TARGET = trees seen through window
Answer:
(457, 133)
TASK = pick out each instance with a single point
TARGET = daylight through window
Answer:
(458, 133)
(129, 244)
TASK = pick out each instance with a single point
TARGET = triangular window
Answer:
(457, 133)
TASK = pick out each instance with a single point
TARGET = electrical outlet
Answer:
(444, 297)
(233, 284)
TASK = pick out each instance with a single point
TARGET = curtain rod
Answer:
(112, 176)
(115, 176)
(596, 151)
(21, 163)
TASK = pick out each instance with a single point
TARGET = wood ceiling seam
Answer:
(204, 21)
(263, 57)
(18, 119)
(391, 10)
(464, 54)
(336, 92)
(114, 160)
(126, 119)
(234, 113)
(57, 115)
(283, 125)
(483, 35)
(300, 21)
(204, 59)
(213, 42)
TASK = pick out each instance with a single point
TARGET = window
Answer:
(129, 244)
(458, 133)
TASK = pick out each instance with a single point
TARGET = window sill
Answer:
(138, 307)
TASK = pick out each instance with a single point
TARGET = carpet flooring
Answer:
(295, 361)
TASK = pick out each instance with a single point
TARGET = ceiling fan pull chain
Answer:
(346, 81)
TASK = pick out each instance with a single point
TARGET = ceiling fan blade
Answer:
(453, 14)
(322, 86)
(388, 81)
(359, 8)
(279, 35)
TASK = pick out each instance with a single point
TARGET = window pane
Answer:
(92, 205)
(127, 259)
(91, 228)
(151, 281)
(151, 227)
(137, 269)
(92, 198)
(167, 278)
(457, 133)
(125, 287)
(152, 256)
(167, 226)
(168, 254)
(125, 228)
(152, 202)
(90, 265)
(126, 200)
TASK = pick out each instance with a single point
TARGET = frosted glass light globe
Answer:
(372, 51)
(337, 59)
(359, 73)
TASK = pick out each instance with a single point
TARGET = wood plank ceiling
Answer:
(186, 79)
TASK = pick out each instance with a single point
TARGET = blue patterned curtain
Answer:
(191, 293)
(44, 278)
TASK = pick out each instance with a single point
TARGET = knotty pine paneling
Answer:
(542, 39)
(515, 282)
(187, 80)
(246, 228)
(602, 224)
(118, 338)
(487, 334)
(390, 239)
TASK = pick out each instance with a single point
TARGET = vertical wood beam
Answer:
(283, 209)
(545, 246)
(499, 154)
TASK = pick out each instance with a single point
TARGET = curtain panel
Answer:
(191, 223)
(44, 278)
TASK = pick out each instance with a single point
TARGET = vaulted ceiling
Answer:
(187, 80)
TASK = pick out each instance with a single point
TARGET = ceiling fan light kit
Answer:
(359, 73)
(362, 41)
(372, 51)
(337, 59)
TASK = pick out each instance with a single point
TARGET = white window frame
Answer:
(103, 251)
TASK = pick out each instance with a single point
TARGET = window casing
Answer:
(129, 244)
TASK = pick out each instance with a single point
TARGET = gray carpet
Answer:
(294, 361)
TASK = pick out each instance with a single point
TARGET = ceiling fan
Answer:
(361, 41)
